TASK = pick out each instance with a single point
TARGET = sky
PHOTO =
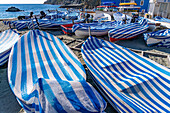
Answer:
(22, 1)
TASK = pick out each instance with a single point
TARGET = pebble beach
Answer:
(8, 101)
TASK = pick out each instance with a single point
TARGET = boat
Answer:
(46, 76)
(107, 6)
(67, 29)
(7, 39)
(152, 24)
(121, 17)
(159, 38)
(163, 24)
(72, 16)
(128, 7)
(102, 17)
(130, 82)
(13, 9)
(52, 24)
(96, 29)
(128, 31)
(161, 19)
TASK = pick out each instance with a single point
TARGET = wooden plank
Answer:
(70, 42)
(77, 49)
(148, 52)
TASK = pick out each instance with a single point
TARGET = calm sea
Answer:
(36, 8)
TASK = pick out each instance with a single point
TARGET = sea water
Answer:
(35, 8)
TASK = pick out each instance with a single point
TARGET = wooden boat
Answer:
(159, 38)
(7, 39)
(46, 76)
(96, 29)
(128, 31)
(67, 29)
(131, 83)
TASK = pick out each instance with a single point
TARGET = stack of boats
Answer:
(46, 76)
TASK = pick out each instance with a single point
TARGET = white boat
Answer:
(131, 83)
(47, 77)
(102, 17)
(159, 38)
(163, 24)
(120, 17)
(96, 29)
(7, 39)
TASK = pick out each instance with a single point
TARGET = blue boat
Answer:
(131, 83)
(46, 76)
(161, 19)
(159, 38)
(128, 31)
(7, 39)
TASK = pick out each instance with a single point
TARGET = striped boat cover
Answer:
(127, 31)
(19, 25)
(161, 19)
(160, 38)
(46, 76)
(7, 39)
(96, 26)
(120, 17)
(132, 82)
(51, 23)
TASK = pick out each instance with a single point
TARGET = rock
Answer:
(13, 9)
(87, 3)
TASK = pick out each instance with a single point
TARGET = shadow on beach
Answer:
(8, 102)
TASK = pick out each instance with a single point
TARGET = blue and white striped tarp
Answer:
(7, 39)
(133, 83)
(127, 31)
(159, 38)
(161, 19)
(96, 29)
(47, 77)
(21, 24)
(51, 23)
(18, 24)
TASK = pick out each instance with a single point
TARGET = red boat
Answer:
(67, 29)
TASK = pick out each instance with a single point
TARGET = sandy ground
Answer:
(8, 102)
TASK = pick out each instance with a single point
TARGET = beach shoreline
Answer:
(9, 103)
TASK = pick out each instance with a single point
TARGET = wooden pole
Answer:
(33, 25)
(73, 21)
(10, 25)
(89, 32)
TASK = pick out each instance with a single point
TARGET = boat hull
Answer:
(85, 33)
(8, 38)
(49, 77)
(130, 82)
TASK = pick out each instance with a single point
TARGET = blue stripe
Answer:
(24, 70)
